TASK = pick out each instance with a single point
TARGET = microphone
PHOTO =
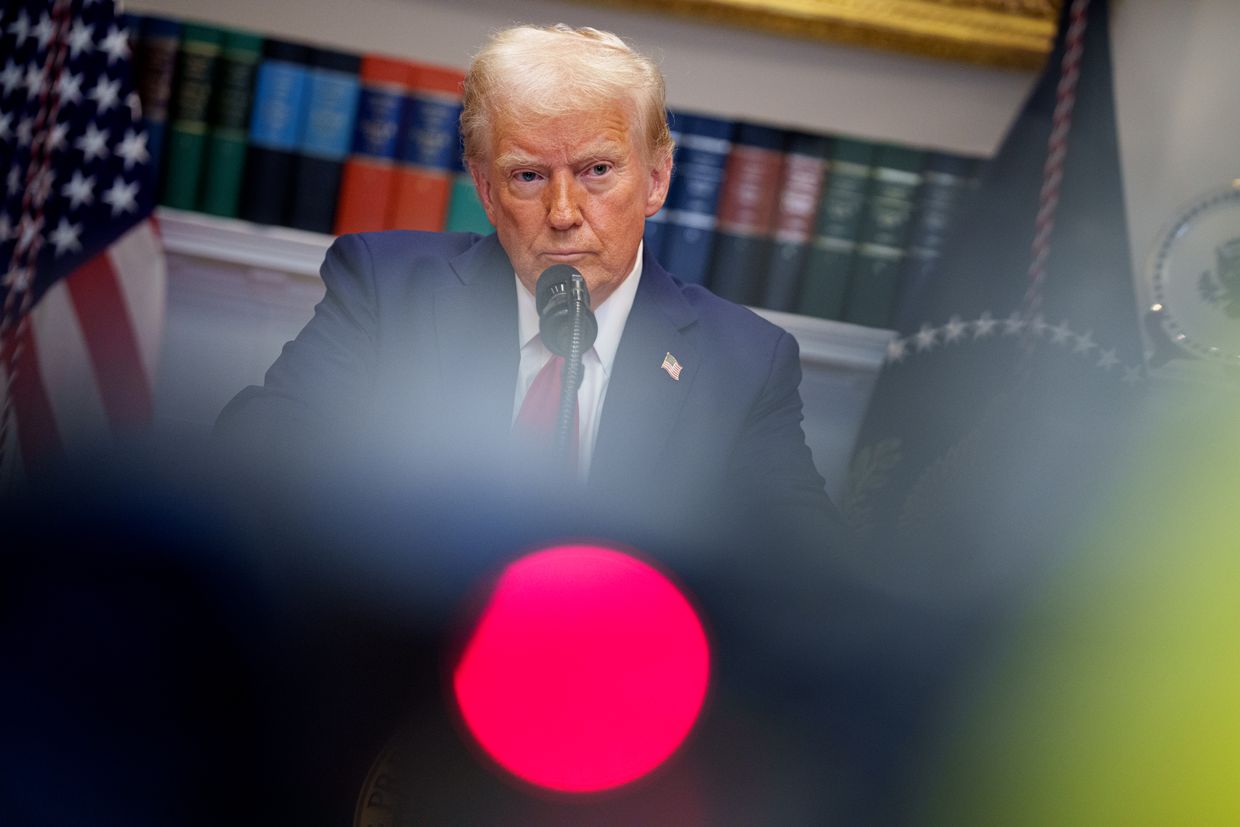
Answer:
(568, 328)
(563, 302)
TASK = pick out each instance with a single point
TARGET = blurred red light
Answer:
(586, 670)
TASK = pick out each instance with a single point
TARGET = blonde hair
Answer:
(549, 71)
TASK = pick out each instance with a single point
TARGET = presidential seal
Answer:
(1195, 276)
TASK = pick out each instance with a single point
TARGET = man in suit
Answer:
(433, 338)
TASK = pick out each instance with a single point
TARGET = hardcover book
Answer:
(331, 115)
(875, 278)
(689, 231)
(228, 122)
(430, 144)
(945, 180)
(747, 208)
(368, 182)
(828, 263)
(280, 99)
(191, 97)
(155, 61)
(800, 191)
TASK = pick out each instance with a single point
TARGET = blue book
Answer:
(693, 202)
(280, 103)
(326, 136)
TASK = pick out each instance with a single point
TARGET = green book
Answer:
(824, 280)
(465, 213)
(890, 204)
(229, 122)
(191, 97)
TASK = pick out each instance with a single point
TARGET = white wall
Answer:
(1177, 86)
(785, 82)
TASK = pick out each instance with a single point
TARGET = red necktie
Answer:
(541, 407)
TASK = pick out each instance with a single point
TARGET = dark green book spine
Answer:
(945, 179)
(229, 122)
(892, 198)
(800, 191)
(824, 282)
(191, 97)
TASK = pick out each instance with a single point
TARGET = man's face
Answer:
(574, 190)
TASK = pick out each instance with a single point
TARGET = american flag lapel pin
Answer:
(672, 366)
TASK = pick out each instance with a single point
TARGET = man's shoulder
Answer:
(724, 319)
(384, 244)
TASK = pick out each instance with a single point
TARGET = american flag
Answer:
(672, 366)
(82, 275)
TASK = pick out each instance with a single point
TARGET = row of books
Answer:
(288, 134)
(824, 226)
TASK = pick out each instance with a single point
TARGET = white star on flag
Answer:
(133, 149)
(65, 237)
(34, 81)
(121, 196)
(954, 329)
(984, 326)
(21, 27)
(80, 190)
(926, 338)
(43, 31)
(57, 138)
(1060, 333)
(10, 77)
(94, 144)
(1084, 343)
(896, 350)
(1108, 359)
(116, 44)
(6, 227)
(17, 279)
(70, 88)
(28, 232)
(105, 94)
(81, 39)
(1013, 324)
(6, 126)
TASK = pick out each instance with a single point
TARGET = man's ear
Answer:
(660, 178)
(482, 184)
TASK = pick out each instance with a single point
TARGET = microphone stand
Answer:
(571, 378)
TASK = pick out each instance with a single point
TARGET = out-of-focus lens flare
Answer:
(1116, 702)
(586, 670)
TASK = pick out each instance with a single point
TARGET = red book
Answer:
(429, 146)
(368, 182)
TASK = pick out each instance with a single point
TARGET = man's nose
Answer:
(563, 197)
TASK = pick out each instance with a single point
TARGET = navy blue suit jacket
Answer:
(417, 338)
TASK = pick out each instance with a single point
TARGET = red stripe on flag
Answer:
(36, 424)
(104, 319)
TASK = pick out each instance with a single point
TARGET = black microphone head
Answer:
(561, 298)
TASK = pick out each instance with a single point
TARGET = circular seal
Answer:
(1195, 276)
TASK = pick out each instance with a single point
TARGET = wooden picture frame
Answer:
(1016, 34)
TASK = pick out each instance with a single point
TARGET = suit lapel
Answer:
(476, 328)
(643, 401)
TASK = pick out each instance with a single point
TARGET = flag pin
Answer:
(672, 366)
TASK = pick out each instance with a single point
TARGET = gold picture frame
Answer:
(1016, 34)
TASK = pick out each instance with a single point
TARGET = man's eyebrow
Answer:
(603, 149)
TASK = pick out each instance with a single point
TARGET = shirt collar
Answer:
(611, 315)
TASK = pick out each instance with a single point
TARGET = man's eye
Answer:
(600, 169)
(527, 176)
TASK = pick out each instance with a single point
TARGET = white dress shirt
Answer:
(597, 362)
